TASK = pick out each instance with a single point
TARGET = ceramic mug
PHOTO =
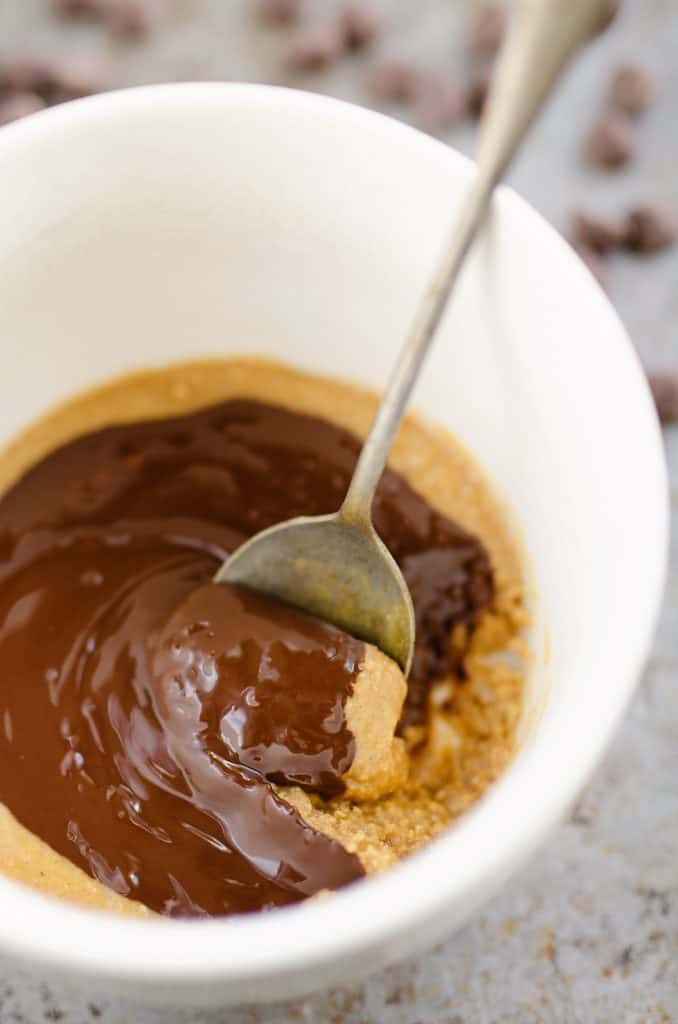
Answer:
(154, 225)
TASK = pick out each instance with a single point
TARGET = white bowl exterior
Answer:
(181, 222)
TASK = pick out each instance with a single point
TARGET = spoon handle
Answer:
(544, 35)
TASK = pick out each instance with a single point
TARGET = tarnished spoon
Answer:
(335, 566)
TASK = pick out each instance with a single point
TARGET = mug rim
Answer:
(466, 864)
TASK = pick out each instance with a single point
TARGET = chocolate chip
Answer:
(598, 234)
(594, 261)
(130, 19)
(631, 89)
(58, 79)
(607, 16)
(650, 229)
(27, 73)
(81, 75)
(664, 388)
(78, 8)
(480, 90)
(316, 48)
(360, 25)
(486, 30)
(279, 12)
(610, 143)
(440, 102)
(133, 19)
(394, 79)
(20, 104)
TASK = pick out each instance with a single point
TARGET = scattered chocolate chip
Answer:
(27, 73)
(316, 48)
(664, 388)
(19, 104)
(440, 102)
(597, 234)
(631, 89)
(594, 261)
(78, 8)
(394, 79)
(360, 25)
(607, 16)
(486, 31)
(81, 75)
(279, 12)
(59, 79)
(650, 229)
(480, 90)
(133, 19)
(610, 142)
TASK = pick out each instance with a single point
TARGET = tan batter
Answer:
(472, 727)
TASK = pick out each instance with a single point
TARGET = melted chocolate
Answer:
(140, 718)
(269, 684)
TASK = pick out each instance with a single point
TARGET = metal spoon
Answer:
(335, 566)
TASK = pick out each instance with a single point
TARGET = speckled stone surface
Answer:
(588, 934)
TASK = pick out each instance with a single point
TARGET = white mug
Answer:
(161, 224)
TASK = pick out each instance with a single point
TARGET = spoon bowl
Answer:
(338, 570)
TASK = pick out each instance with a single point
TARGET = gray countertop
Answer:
(588, 933)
